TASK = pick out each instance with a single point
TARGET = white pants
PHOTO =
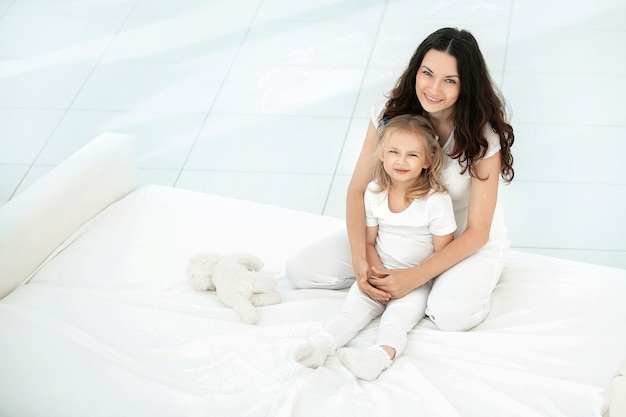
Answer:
(460, 297)
(399, 316)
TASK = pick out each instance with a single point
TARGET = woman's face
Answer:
(437, 83)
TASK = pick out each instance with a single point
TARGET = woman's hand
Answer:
(395, 282)
(362, 273)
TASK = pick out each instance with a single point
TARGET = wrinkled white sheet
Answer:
(109, 327)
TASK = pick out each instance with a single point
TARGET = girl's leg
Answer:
(325, 264)
(357, 311)
(461, 296)
(399, 318)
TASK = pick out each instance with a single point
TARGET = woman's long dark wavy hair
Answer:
(479, 102)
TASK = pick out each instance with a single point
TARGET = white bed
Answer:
(98, 319)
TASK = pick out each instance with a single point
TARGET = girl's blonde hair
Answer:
(422, 129)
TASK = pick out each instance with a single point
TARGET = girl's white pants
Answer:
(399, 316)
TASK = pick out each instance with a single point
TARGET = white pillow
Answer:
(39, 219)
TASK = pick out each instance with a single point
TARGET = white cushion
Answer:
(40, 218)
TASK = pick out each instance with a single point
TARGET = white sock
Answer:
(313, 352)
(365, 363)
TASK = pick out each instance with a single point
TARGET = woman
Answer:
(448, 82)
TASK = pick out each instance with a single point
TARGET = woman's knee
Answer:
(461, 296)
(297, 273)
(451, 316)
(304, 272)
(324, 264)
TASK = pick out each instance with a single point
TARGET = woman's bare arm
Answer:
(355, 214)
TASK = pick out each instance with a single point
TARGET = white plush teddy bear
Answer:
(237, 280)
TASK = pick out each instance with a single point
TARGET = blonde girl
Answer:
(409, 216)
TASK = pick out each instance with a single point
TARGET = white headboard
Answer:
(39, 219)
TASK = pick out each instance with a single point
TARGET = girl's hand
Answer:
(362, 273)
(395, 282)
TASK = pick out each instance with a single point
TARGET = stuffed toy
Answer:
(237, 280)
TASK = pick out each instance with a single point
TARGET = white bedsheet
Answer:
(109, 327)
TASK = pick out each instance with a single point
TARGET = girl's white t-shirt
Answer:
(405, 238)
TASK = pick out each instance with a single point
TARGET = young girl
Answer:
(447, 81)
(408, 216)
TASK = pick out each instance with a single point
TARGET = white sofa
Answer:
(97, 318)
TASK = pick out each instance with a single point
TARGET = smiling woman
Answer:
(446, 81)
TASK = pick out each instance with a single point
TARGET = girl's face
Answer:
(404, 157)
(437, 83)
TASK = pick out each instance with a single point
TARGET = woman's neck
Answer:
(443, 127)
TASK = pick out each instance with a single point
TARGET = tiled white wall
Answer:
(563, 78)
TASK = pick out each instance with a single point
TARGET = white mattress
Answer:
(108, 326)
